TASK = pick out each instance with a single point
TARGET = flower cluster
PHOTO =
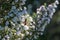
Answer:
(45, 14)
(18, 24)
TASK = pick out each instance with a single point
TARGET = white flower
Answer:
(26, 27)
(17, 28)
(51, 9)
(50, 6)
(55, 6)
(27, 32)
(25, 8)
(50, 15)
(25, 11)
(42, 8)
(48, 20)
(38, 10)
(41, 33)
(33, 26)
(22, 35)
(54, 10)
(33, 22)
(22, 24)
(23, 18)
(20, 7)
(18, 33)
(56, 2)
(27, 15)
(7, 36)
(14, 33)
(12, 23)
(38, 16)
(31, 19)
